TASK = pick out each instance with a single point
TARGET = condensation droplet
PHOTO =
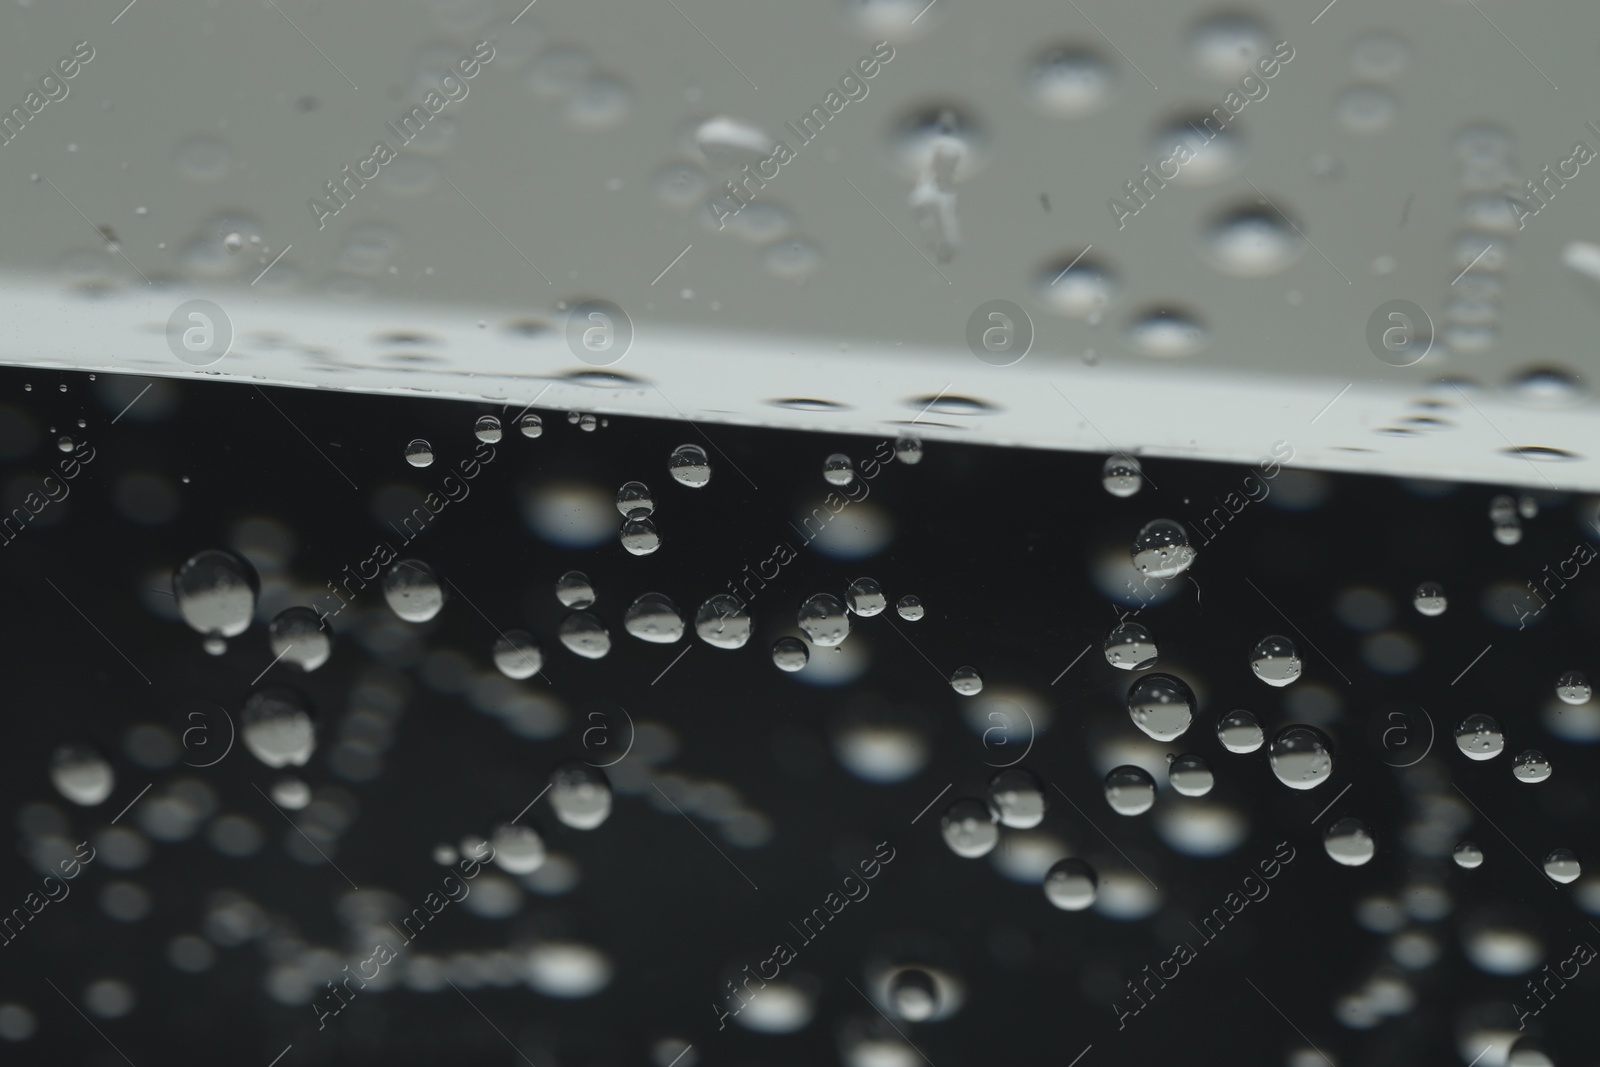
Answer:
(1252, 242)
(1531, 767)
(1227, 47)
(865, 598)
(1122, 476)
(966, 681)
(517, 849)
(1349, 842)
(1300, 757)
(690, 466)
(1562, 865)
(914, 995)
(419, 453)
(823, 619)
(487, 429)
(1130, 790)
(1161, 705)
(723, 622)
(1071, 885)
(1275, 661)
(1162, 549)
(1190, 775)
(216, 592)
(1573, 688)
(277, 727)
(1070, 82)
(586, 635)
(908, 450)
(580, 795)
(1240, 732)
(81, 775)
(1429, 599)
(1468, 855)
(1017, 798)
(909, 608)
(654, 618)
(412, 590)
(1479, 737)
(1166, 334)
(837, 469)
(574, 591)
(531, 425)
(516, 655)
(634, 500)
(639, 536)
(790, 654)
(970, 828)
(1130, 647)
(297, 637)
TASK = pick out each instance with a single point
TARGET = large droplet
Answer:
(969, 828)
(1162, 549)
(574, 591)
(216, 592)
(419, 453)
(1300, 757)
(1531, 767)
(580, 795)
(909, 608)
(1468, 855)
(487, 429)
(586, 635)
(413, 591)
(1562, 865)
(1240, 732)
(278, 728)
(1130, 790)
(1349, 841)
(1190, 775)
(689, 466)
(1130, 647)
(1429, 599)
(1161, 705)
(790, 654)
(1017, 798)
(1573, 688)
(966, 681)
(1275, 661)
(1122, 476)
(297, 637)
(723, 622)
(653, 617)
(914, 995)
(1071, 885)
(865, 598)
(634, 500)
(1479, 737)
(639, 536)
(823, 619)
(517, 849)
(81, 775)
(837, 469)
(516, 655)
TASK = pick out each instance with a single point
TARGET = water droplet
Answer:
(413, 591)
(908, 450)
(1166, 334)
(1226, 47)
(1275, 661)
(516, 655)
(837, 470)
(1366, 109)
(1213, 153)
(586, 635)
(1252, 241)
(531, 425)
(966, 681)
(574, 591)
(792, 260)
(1468, 855)
(1240, 732)
(1191, 776)
(1551, 387)
(634, 500)
(1130, 790)
(1300, 757)
(419, 453)
(1076, 286)
(216, 592)
(1162, 549)
(1122, 476)
(1017, 798)
(214, 645)
(969, 828)
(517, 849)
(1349, 841)
(81, 775)
(1527, 507)
(639, 536)
(1503, 509)
(1531, 767)
(294, 794)
(580, 795)
(1069, 82)
(723, 622)
(66, 444)
(865, 598)
(913, 995)
(277, 727)
(654, 618)
(297, 637)
(730, 143)
(1479, 737)
(233, 242)
(1379, 56)
(939, 132)
(1130, 647)
(690, 466)
(790, 654)
(1562, 865)
(682, 184)
(487, 429)
(1573, 688)
(909, 608)
(588, 423)
(823, 619)
(1429, 599)
(1161, 705)
(1071, 885)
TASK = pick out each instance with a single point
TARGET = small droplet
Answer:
(1562, 865)
(1573, 688)
(1508, 533)
(908, 450)
(1300, 757)
(1071, 885)
(81, 775)
(517, 849)
(1531, 767)
(1017, 798)
(966, 681)
(654, 618)
(214, 645)
(823, 620)
(516, 655)
(1275, 661)
(723, 622)
(689, 466)
(865, 598)
(413, 591)
(790, 654)
(297, 637)
(1468, 855)
(487, 429)
(1479, 737)
(970, 828)
(65, 444)
(1252, 241)
(909, 608)
(1527, 507)
(1162, 549)
(1226, 47)
(531, 425)
(1240, 732)
(580, 795)
(634, 500)
(216, 592)
(1166, 334)
(586, 635)
(588, 423)
(914, 995)
(1070, 82)
(233, 242)
(277, 727)
(419, 453)
(1191, 776)
(1122, 476)
(837, 470)
(1130, 647)
(1429, 599)
(1130, 790)
(1366, 109)
(1349, 841)
(574, 591)
(639, 536)
(1161, 705)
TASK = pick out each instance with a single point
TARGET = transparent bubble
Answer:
(297, 637)
(1573, 688)
(966, 681)
(790, 654)
(81, 775)
(1349, 841)
(487, 429)
(586, 635)
(1190, 775)
(517, 849)
(1130, 647)
(1161, 705)
(1240, 732)
(914, 995)
(1300, 757)
(837, 469)
(419, 453)
(1122, 476)
(1468, 855)
(634, 500)
(1069, 82)
(216, 593)
(1562, 865)
(723, 622)
(1017, 798)
(1275, 661)
(909, 608)
(824, 621)
(277, 727)
(655, 618)
(413, 591)
(580, 795)
(574, 591)
(690, 466)
(908, 450)
(531, 425)
(865, 598)
(1162, 549)
(1071, 885)
(516, 655)
(1531, 766)
(1479, 737)
(639, 536)
(970, 828)
(1429, 599)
